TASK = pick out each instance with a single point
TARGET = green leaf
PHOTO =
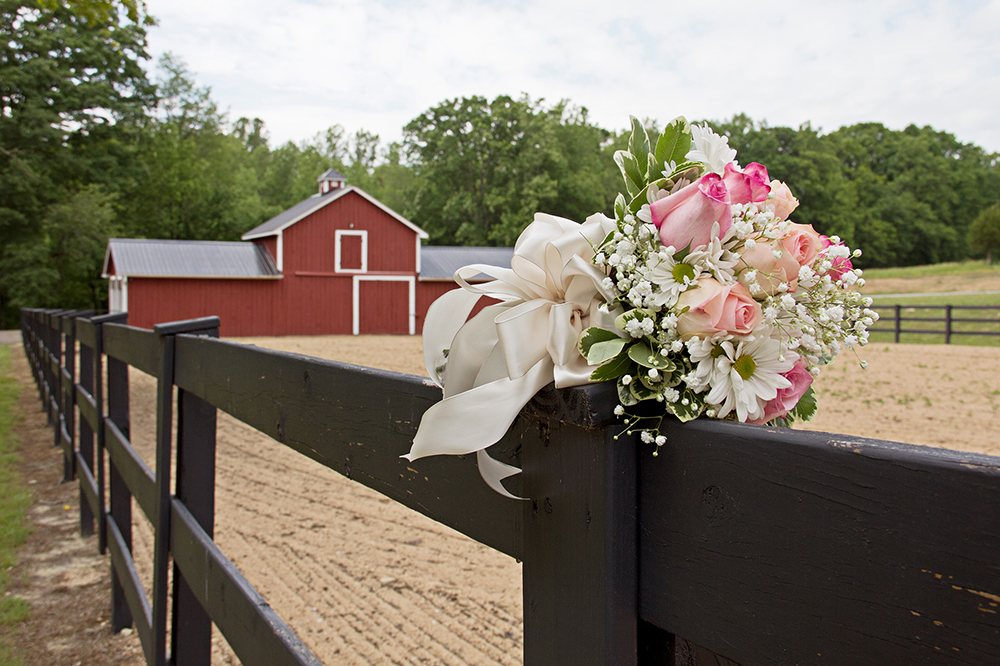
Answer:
(642, 354)
(599, 345)
(640, 390)
(637, 202)
(634, 180)
(687, 412)
(653, 168)
(620, 207)
(634, 313)
(638, 143)
(613, 369)
(625, 396)
(805, 409)
(674, 142)
(595, 334)
(688, 170)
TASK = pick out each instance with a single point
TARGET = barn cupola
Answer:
(331, 180)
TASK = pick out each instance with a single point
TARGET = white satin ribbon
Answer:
(503, 356)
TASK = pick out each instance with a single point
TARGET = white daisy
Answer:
(672, 277)
(702, 354)
(748, 374)
(710, 149)
(713, 258)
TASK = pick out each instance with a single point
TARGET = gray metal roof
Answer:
(289, 217)
(331, 174)
(439, 262)
(182, 258)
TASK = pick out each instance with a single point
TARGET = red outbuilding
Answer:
(340, 262)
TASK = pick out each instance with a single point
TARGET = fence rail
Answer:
(737, 544)
(900, 315)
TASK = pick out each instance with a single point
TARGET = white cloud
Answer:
(303, 66)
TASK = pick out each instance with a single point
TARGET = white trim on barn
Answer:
(326, 199)
(356, 298)
(280, 251)
(117, 293)
(340, 233)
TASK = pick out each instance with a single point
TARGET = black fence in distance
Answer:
(938, 320)
(738, 543)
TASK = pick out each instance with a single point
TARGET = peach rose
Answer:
(715, 309)
(782, 200)
(803, 243)
(771, 270)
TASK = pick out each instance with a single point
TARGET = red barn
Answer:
(340, 262)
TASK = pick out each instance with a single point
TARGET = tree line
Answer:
(93, 147)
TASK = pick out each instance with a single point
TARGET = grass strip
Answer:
(14, 502)
(951, 268)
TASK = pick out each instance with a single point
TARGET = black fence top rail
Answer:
(357, 421)
(782, 547)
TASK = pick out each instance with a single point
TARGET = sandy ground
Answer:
(363, 580)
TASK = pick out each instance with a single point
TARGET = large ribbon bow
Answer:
(496, 361)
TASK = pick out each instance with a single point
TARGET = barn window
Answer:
(352, 251)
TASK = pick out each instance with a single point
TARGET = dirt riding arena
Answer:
(363, 580)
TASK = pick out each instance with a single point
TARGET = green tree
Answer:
(984, 233)
(63, 269)
(72, 91)
(484, 168)
(193, 180)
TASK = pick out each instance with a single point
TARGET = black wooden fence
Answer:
(742, 543)
(938, 320)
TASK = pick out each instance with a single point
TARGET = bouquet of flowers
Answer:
(700, 297)
(725, 306)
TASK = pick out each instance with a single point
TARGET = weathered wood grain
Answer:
(357, 421)
(137, 347)
(780, 547)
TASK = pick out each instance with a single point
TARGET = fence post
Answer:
(50, 380)
(580, 532)
(947, 324)
(164, 419)
(120, 500)
(191, 627)
(898, 321)
(77, 443)
(55, 329)
(66, 394)
(85, 443)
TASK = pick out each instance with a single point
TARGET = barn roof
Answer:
(439, 262)
(132, 257)
(331, 174)
(282, 221)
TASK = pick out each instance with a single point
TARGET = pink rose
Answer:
(803, 243)
(787, 398)
(771, 270)
(840, 264)
(685, 218)
(715, 309)
(749, 185)
(782, 200)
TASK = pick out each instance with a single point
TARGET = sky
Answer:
(304, 65)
